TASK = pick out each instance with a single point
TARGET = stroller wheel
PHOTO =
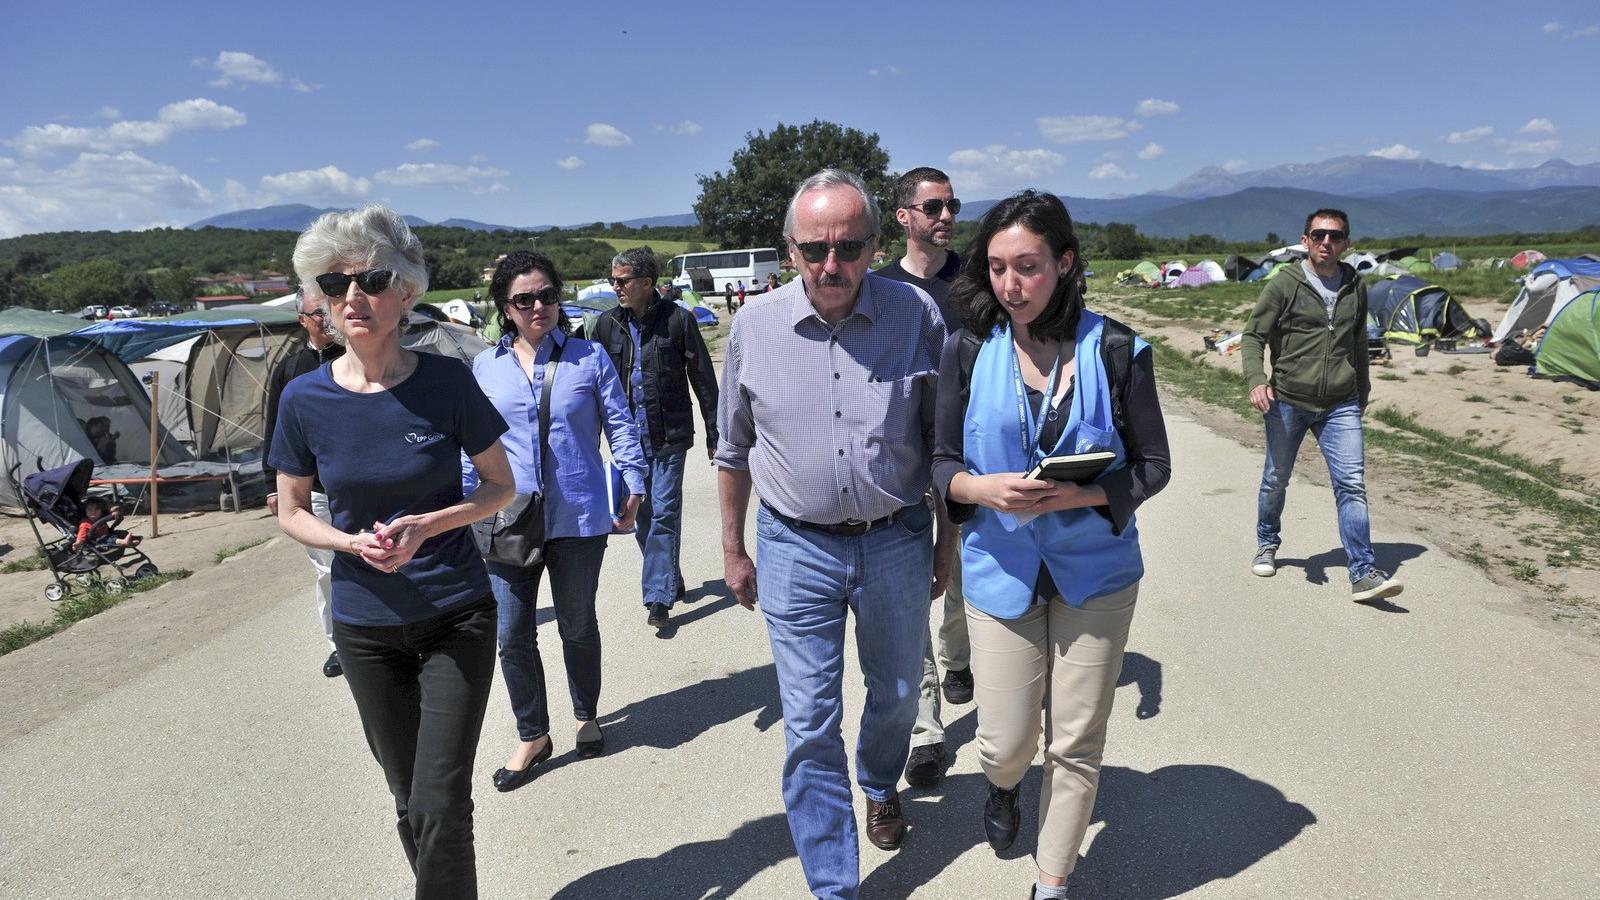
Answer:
(54, 591)
(148, 570)
(115, 585)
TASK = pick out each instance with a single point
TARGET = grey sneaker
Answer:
(1266, 562)
(1375, 585)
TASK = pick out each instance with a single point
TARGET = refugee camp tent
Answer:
(1413, 265)
(1570, 350)
(1172, 271)
(1544, 293)
(703, 316)
(1194, 277)
(1396, 253)
(1565, 268)
(441, 339)
(1212, 269)
(1238, 268)
(1412, 311)
(1272, 271)
(1446, 261)
(1259, 273)
(1388, 269)
(1527, 259)
(1148, 270)
(65, 397)
(37, 322)
(1285, 253)
(1361, 262)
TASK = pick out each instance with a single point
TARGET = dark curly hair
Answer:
(1046, 216)
(521, 262)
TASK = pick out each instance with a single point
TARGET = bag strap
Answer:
(1116, 351)
(544, 403)
(967, 357)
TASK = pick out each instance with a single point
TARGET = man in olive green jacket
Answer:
(1313, 316)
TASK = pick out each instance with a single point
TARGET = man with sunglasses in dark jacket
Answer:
(656, 348)
(925, 205)
(1313, 316)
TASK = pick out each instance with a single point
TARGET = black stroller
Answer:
(56, 498)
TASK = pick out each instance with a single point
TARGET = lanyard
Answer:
(1031, 432)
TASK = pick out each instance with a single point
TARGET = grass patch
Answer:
(663, 248)
(1457, 369)
(1390, 376)
(1477, 398)
(31, 563)
(226, 552)
(1568, 399)
(1525, 572)
(1518, 398)
(83, 602)
(1210, 384)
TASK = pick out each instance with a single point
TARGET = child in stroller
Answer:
(59, 497)
(98, 526)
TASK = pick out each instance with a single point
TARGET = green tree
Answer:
(17, 289)
(174, 285)
(1123, 242)
(82, 284)
(744, 207)
(141, 289)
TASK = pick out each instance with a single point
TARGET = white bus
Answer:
(712, 272)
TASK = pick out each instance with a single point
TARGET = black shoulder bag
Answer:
(514, 536)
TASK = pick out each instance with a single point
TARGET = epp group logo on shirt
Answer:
(423, 439)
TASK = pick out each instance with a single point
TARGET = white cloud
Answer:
(1078, 129)
(96, 190)
(237, 67)
(1150, 106)
(433, 174)
(1538, 126)
(1469, 135)
(1533, 148)
(570, 163)
(1152, 150)
(997, 166)
(422, 145)
(1584, 32)
(478, 157)
(686, 128)
(1235, 166)
(326, 183)
(602, 135)
(884, 70)
(186, 115)
(1552, 27)
(1486, 166)
(1110, 170)
(1396, 151)
(110, 113)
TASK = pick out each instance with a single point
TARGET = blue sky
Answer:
(119, 115)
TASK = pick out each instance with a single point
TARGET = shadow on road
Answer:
(1145, 673)
(677, 717)
(1389, 556)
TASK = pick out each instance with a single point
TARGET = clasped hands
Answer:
(387, 547)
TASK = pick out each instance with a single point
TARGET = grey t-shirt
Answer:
(1328, 288)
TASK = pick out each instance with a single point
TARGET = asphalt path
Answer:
(1270, 739)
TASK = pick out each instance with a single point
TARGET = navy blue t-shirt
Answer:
(384, 455)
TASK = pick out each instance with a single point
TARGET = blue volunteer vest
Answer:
(1000, 556)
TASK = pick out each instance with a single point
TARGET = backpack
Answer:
(1116, 352)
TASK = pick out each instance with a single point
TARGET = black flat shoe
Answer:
(510, 779)
(594, 748)
(1002, 818)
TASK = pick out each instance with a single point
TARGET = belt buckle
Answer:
(854, 526)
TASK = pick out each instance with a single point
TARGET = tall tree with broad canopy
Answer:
(744, 207)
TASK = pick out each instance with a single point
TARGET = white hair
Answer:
(373, 236)
(830, 178)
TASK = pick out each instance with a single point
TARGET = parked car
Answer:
(92, 312)
(165, 309)
(125, 312)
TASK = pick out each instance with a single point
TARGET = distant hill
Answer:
(289, 217)
(1370, 176)
(478, 226)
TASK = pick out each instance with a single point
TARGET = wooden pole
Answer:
(155, 449)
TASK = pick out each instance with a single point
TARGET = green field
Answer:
(663, 248)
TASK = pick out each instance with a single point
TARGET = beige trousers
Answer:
(1066, 660)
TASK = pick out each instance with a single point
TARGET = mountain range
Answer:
(1384, 197)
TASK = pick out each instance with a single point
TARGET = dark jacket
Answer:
(673, 357)
(304, 360)
(1318, 360)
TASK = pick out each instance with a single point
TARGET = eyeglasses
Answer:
(372, 282)
(844, 251)
(1318, 235)
(315, 314)
(548, 297)
(620, 283)
(933, 208)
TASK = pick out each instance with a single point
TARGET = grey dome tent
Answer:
(1543, 295)
(1446, 261)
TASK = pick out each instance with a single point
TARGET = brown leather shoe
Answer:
(886, 825)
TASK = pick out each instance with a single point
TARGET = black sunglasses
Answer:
(315, 314)
(548, 297)
(372, 282)
(844, 251)
(932, 208)
(623, 281)
(1318, 235)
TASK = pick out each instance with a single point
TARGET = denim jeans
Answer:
(421, 690)
(660, 529)
(808, 583)
(574, 565)
(1338, 434)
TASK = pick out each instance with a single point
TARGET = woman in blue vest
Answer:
(1051, 568)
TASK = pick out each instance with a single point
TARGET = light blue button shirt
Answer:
(587, 395)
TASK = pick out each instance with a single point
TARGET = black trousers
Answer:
(421, 690)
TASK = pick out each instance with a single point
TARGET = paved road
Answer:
(1271, 739)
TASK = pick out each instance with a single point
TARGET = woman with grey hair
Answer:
(413, 617)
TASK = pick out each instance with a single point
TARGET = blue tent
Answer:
(1566, 268)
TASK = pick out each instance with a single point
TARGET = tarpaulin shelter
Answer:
(1570, 350)
(1446, 261)
(1412, 311)
(1544, 293)
(1527, 259)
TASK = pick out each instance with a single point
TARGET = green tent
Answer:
(1414, 265)
(1570, 350)
(692, 298)
(37, 322)
(1147, 270)
(1276, 268)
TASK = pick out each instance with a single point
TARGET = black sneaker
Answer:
(925, 766)
(658, 616)
(332, 667)
(1002, 817)
(957, 686)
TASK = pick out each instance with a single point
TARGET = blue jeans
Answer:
(808, 582)
(660, 528)
(1338, 434)
(574, 565)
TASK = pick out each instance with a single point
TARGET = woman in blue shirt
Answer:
(585, 397)
(383, 428)
(1051, 569)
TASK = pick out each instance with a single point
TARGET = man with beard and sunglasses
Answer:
(925, 206)
(1314, 318)
(320, 347)
(827, 407)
